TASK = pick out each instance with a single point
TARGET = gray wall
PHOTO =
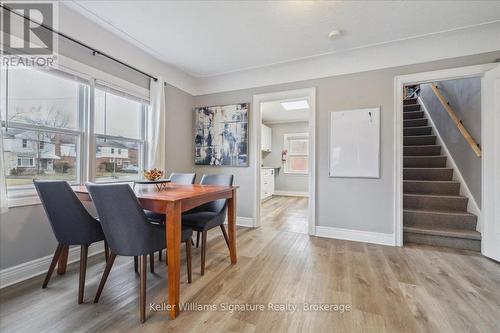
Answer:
(179, 106)
(283, 181)
(464, 96)
(359, 204)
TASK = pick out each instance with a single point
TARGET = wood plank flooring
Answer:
(389, 289)
(285, 213)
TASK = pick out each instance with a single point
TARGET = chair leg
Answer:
(188, 259)
(104, 277)
(63, 260)
(197, 239)
(142, 271)
(224, 233)
(203, 250)
(53, 264)
(152, 262)
(160, 253)
(106, 251)
(136, 264)
(84, 249)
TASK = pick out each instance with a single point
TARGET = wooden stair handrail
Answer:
(458, 123)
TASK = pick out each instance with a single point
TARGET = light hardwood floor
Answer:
(390, 289)
(285, 213)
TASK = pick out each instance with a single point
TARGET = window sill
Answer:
(23, 201)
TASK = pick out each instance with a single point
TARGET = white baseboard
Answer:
(355, 235)
(291, 193)
(243, 221)
(27, 270)
(472, 205)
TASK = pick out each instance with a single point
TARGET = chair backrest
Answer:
(70, 221)
(217, 206)
(182, 178)
(125, 225)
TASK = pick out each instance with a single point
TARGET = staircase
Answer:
(434, 213)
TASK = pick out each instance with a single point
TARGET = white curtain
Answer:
(3, 184)
(156, 126)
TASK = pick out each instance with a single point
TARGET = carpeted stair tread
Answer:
(424, 173)
(411, 107)
(408, 101)
(445, 218)
(438, 187)
(446, 232)
(413, 115)
(438, 211)
(422, 150)
(417, 130)
(432, 161)
(419, 140)
(415, 122)
(435, 201)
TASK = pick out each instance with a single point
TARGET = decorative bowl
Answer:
(153, 174)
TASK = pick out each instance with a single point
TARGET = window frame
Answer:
(286, 139)
(141, 158)
(23, 195)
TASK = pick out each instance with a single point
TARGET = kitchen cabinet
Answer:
(266, 138)
(266, 183)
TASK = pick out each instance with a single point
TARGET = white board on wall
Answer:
(355, 143)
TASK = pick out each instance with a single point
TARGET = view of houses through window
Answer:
(43, 125)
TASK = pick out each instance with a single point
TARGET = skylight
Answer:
(295, 105)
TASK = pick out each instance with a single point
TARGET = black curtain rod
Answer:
(94, 51)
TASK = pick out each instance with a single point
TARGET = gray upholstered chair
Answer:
(209, 215)
(71, 224)
(176, 178)
(129, 232)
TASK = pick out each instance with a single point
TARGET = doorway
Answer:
(284, 128)
(403, 99)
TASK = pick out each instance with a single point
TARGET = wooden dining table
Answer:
(173, 200)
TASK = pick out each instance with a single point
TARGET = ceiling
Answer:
(274, 112)
(208, 38)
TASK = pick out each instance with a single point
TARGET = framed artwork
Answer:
(221, 135)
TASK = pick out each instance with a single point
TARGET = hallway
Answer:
(285, 213)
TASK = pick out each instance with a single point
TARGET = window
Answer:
(24, 162)
(119, 131)
(297, 157)
(45, 120)
(41, 121)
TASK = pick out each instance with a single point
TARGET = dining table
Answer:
(172, 200)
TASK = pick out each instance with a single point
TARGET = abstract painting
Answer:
(221, 135)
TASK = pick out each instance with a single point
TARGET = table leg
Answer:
(173, 228)
(63, 260)
(231, 225)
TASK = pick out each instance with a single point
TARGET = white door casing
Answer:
(490, 127)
